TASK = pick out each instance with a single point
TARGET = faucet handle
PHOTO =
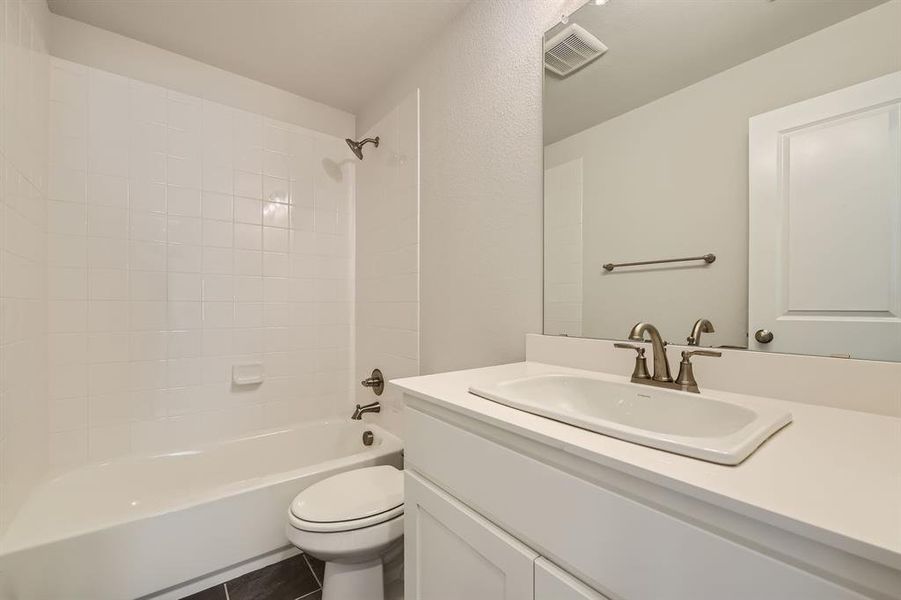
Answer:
(641, 363)
(686, 377)
(636, 347)
(686, 355)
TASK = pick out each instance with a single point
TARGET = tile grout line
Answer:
(308, 594)
(310, 567)
(225, 587)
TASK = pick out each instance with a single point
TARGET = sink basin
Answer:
(693, 425)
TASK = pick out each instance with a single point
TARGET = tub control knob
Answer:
(375, 381)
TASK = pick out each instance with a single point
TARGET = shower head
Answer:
(357, 147)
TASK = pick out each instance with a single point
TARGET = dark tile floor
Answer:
(291, 579)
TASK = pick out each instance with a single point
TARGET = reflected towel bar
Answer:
(707, 258)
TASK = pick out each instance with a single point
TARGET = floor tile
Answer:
(318, 567)
(286, 580)
(213, 593)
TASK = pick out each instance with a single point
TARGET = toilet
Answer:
(353, 521)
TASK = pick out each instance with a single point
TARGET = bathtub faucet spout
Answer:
(359, 411)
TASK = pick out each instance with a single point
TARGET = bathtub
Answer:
(135, 526)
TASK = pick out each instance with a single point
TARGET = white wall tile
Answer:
(107, 315)
(107, 190)
(248, 210)
(184, 287)
(185, 230)
(107, 221)
(145, 196)
(182, 258)
(218, 206)
(183, 201)
(248, 237)
(66, 217)
(148, 227)
(172, 236)
(107, 253)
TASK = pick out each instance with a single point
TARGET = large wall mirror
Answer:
(753, 145)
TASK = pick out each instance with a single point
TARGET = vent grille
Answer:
(571, 49)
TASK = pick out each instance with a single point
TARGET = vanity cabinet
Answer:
(553, 583)
(458, 555)
(491, 516)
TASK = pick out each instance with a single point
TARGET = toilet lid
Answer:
(352, 495)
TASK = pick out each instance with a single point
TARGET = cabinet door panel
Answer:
(451, 553)
(553, 583)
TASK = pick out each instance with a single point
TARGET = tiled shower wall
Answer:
(185, 237)
(23, 215)
(387, 251)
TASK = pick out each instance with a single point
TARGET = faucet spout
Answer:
(661, 364)
(372, 407)
(700, 326)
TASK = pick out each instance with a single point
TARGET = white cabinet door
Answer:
(452, 553)
(553, 583)
(825, 224)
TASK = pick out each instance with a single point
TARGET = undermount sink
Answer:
(684, 423)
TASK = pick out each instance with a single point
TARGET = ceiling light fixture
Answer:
(600, 2)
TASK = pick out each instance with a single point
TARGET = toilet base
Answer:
(353, 581)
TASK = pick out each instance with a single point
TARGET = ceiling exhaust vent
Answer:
(570, 50)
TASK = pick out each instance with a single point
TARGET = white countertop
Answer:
(832, 475)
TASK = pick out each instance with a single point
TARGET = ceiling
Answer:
(339, 52)
(659, 46)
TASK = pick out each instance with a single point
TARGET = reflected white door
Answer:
(825, 224)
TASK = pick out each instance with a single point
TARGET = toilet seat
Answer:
(351, 500)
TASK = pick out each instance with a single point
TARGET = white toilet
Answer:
(352, 521)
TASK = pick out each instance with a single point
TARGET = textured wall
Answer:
(23, 255)
(481, 179)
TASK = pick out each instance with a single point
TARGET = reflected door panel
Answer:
(825, 224)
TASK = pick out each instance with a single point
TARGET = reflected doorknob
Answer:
(764, 336)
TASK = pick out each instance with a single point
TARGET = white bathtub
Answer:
(135, 526)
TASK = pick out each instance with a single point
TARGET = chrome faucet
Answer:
(658, 346)
(372, 407)
(685, 381)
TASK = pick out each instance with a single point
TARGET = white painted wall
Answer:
(671, 179)
(23, 258)
(108, 51)
(481, 173)
(387, 257)
(563, 249)
(185, 237)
